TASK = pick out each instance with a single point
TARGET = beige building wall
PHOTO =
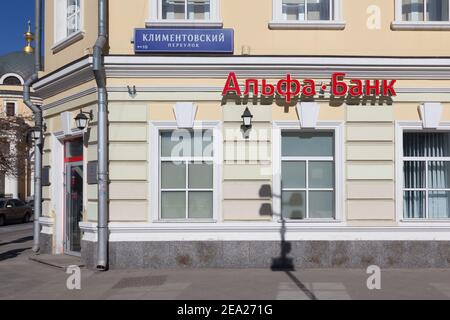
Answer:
(15, 94)
(246, 189)
(246, 171)
(355, 40)
(128, 155)
(370, 164)
(55, 59)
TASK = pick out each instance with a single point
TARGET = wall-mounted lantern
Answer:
(36, 132)
(247, 119)
(81, 120)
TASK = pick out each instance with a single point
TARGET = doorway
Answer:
(73, 185)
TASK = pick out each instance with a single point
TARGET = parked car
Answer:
(30, 203)
(14, 210)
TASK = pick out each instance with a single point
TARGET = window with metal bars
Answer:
(426, 175)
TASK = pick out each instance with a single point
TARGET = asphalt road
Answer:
(21, 278)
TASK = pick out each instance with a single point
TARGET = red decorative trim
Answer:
(73, 159)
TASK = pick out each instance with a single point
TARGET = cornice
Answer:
(16, 93)
(276, 67)
(201, 89)
(137, 66)
(65, 78)
(70, 98)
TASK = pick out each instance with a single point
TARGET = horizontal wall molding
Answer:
(426, 25)
(362, 67)
(65, 78)
(263, 231)
(70, 98)
(220, 89)
(6, 94)
(196, 90)
(47, 225)
(307, 25)
(80, 71)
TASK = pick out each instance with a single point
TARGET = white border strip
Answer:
(267, 231)
(287, 61)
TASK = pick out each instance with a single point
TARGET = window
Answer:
(307, 10)
(18, 203)
(73, 16)
(421, 14)
(73, 150)
(12, 81)
(426, 175)
(68, 23)
(186, 175)
(307, 175)
(10, 109)
(186, 9)
(425, 10)
(306, 14)
(184, 12)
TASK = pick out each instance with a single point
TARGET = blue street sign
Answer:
(184, 40)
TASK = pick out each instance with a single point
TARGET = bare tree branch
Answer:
(15, 145)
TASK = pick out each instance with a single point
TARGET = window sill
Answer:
(306, 25)
(168, 221)
(407, 25)
(423, 220)
(305, 221)
(184, 24)
(64, 43)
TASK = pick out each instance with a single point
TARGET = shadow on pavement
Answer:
(301, 286)
(285, 263)
(12, 253)
(21, 240)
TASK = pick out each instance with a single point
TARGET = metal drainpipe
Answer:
(37, 112)
(102, 123)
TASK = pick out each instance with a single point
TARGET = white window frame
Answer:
(155, 17)
(61, 39)
(15, 107)
(339, 168)
(154, 155)
(400, 128)
(278, 21)
(74, 15)
(5, 76)
(399, 24)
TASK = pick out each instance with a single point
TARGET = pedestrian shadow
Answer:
(283, 263)
(12, 253)
(21, 240)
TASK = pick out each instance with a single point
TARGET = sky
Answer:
(14, 15)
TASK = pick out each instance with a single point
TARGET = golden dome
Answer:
(28, 49)
(29, 37)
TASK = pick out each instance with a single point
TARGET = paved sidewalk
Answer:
(25, 279)
(21, 278)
